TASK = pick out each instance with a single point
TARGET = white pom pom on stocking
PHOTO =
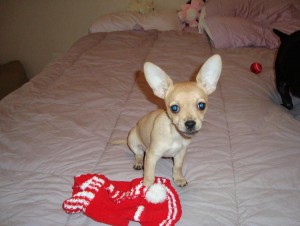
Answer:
(156, 194)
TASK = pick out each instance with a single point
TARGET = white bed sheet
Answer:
(243, 167)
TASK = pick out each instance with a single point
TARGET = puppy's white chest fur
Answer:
(176, 146)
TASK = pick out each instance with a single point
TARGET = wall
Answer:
(37, 31)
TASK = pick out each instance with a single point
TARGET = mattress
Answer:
(243, 167)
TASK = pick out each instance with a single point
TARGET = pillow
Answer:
(121, 21)
(289, 21)
(227, 32)
(162, 21)
(238, 23)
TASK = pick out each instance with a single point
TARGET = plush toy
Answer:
(117, 202)
(141, 6)
(189, 13)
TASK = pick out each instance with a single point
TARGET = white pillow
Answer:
(120, 21)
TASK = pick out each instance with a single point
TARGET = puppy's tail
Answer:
(118, 142)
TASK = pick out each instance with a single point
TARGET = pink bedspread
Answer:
(242, 168)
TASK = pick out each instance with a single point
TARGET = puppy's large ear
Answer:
(209, 73)
(158, 80)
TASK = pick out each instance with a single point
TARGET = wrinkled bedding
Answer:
(239, 23)
(242, 167)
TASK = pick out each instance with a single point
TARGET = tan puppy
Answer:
(168, 133)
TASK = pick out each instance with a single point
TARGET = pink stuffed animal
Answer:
(189, 13)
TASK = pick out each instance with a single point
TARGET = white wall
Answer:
(36, 31)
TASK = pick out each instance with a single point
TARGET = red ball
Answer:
(256, 67)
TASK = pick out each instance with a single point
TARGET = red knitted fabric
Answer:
(117, 202)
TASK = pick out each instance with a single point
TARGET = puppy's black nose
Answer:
(190, 124)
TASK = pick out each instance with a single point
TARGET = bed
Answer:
(243, 167)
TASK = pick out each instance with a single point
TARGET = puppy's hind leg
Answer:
(137, 147)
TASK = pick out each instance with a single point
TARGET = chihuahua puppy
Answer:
(287, 67)
(167, 133)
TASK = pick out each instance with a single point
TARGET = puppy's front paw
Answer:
(138, 166)
(181, 182)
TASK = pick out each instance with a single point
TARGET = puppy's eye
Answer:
(174, 108)
(201, 106)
